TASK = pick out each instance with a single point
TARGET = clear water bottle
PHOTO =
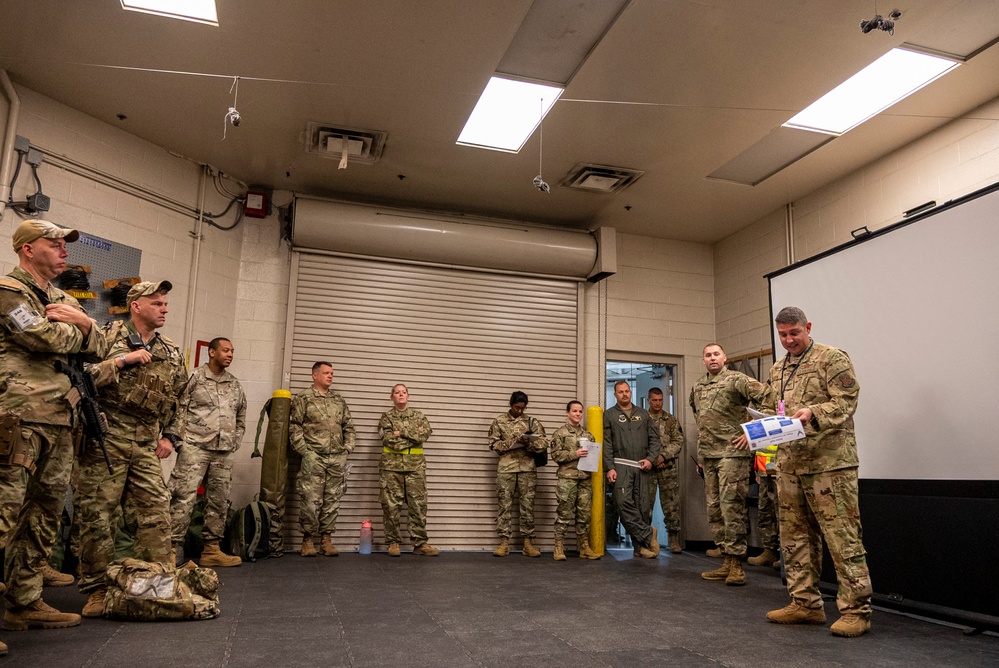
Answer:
(365, 546)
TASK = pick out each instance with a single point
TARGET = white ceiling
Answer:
(719, 76)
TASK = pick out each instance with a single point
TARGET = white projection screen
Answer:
(916, 306)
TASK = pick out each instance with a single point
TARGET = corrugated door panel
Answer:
(462, 341)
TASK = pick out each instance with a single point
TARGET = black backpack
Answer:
(248, 531)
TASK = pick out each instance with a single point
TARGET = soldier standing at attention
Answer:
(140, 381)
(631, 443)
(666, 469)
(40, 326)
(402, 472)
(573, 488)
(215, 409)
(817, 479)
(516, 437)
(321, 430)
(719, 400)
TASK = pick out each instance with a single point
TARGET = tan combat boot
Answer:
(796, 613)
(850, 626)
(94, 607)
(3, 649)
(529, 549)
(503, 549)
(654, 546)
(736, 576)
(328, 549)
(39, 615)
(426, 550)
(585, 551)
(675, 544)
(721, 573)
(559, 550)
(308, 547)
(53, 578)
(393, 550)
(766, 559)
(714, 552)
(213, 555)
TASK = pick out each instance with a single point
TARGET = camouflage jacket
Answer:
(140, 400)
(670, 433)
(30, 345)
(503, 434)
(719, 404)
(215, 409)
(414, 430)
(320, 423)
(564, 443)
(634, 437)
(826, 383)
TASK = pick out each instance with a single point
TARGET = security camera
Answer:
(233, 117)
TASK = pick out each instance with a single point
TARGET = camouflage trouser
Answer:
(523, 483)
(409, 488)
(193, 463)
(31, 507)
(322, 480)
(767, 517)
(631, 498)
(575, 498)
(667, 481)
(816, 507)
(137, 484)
(726, 486)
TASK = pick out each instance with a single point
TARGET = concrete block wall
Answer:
(164, 236)
(660, 303)
(954, 160)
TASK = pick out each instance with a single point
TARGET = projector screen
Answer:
(916, 306)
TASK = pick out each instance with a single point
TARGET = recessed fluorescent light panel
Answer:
(889, 79)
(507, 113)
(199, 11)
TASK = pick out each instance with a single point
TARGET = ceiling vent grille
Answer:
(602, 179)
(363, 146)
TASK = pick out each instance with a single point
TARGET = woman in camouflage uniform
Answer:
(573, 489)
(402, 472)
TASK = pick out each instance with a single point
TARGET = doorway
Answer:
(642, 375)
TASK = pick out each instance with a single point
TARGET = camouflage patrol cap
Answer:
(30, 230)
(146, 288)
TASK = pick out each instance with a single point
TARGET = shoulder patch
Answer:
(8, 283)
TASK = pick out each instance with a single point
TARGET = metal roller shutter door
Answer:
(462, 341)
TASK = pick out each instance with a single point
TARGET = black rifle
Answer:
(95, 425)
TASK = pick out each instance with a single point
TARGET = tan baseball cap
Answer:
(30, 230)
(146, 288)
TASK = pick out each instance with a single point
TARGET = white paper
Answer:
(755, 414)
(772, 430)
(591, 462)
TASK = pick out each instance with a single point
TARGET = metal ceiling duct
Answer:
(422, 237)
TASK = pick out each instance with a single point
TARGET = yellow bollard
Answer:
(595, 425)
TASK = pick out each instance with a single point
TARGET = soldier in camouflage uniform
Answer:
(140, 381)
(40, 326)
(321, 430)
(516, 437)
(631, 444)
(215, 409)
(817, 479)
(402, 472)
(719, 401)
(573, 488)
(666, 469)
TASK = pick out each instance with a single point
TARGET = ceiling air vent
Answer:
(363, 146)
(600, 178)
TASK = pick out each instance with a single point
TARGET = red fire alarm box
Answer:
(255, 205)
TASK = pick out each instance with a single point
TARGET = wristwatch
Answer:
(173, 438)
(124, 363)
